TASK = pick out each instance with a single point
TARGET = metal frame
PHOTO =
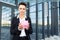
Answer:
(12, 11)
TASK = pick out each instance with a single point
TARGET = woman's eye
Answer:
(20, 8)
(23, 9)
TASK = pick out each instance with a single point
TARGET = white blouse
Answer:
(23, 30)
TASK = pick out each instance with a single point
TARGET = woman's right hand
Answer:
(20, 26)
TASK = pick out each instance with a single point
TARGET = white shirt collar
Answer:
(18, 16)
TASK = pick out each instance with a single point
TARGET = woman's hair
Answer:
(22, 3)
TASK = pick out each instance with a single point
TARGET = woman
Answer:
(17, 30)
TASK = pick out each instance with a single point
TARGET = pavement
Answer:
(5, 35)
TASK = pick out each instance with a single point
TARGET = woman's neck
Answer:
(21, 16)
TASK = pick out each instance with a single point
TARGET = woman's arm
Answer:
(14, 28)
(29, 31)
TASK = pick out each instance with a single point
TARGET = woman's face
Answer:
(22, 9)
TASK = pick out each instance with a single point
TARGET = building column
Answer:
(59, 18)
(43, 34)
(16, 2)
(36, 20)
(12, 15)
(28, 9)
(54, 18)
(12, 12)
(0, 18)
(46, 11)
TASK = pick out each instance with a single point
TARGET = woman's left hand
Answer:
(27, 27)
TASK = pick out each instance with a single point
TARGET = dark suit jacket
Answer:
(14, 28)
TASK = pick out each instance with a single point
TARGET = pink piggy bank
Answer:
(25, 24)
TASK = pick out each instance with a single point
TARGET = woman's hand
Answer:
(27, 28)
(20, 26)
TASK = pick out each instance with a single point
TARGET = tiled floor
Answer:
(5, 34)
(53, 38)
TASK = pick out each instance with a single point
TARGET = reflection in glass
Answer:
(40, 25)
(33, 8)
(6, 23)
(16, 12)
(33, 20)
(12, 2)
(6, 19)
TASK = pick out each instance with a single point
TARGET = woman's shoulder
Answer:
(28, 17)
(14, 18)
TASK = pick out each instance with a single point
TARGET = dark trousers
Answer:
(24, 38)
(20, 38)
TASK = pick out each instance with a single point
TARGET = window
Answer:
(33, 9)
(40, 6)
(6, 16)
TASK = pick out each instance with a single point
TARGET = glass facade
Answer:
(6, 16)
(48, 21)
(8, 2)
